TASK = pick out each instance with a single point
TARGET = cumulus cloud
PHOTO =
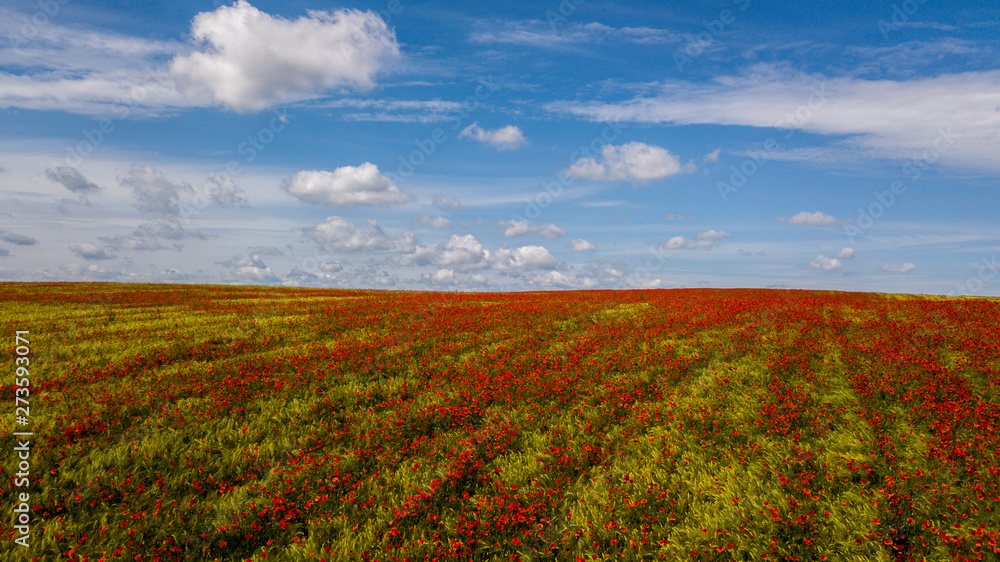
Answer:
(554, 279)
(504, 138)
(443, 277)
(634, 161)
(809, 219)
(558, 279)
(437, 222)
(846, 254)
(154, 193)
(581, 245)
(524, 257)
(91, 252)
(825, 263)
(516, 228)
(446, 203)
(224, 192)
(248, 60)
(347, 185)
(701, 241)
(72, 179)
(249, 268)
(904, 268)
(326, 271)
(463, 251)
(337, 234)
(15, 238)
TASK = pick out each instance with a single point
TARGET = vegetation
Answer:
(248, 423)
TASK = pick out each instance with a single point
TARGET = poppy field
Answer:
(186, 422)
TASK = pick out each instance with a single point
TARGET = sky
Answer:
(569, 144)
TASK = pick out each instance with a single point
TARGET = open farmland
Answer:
(244, 423)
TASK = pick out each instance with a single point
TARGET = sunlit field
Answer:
(179, 422)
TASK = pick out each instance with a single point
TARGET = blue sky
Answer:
(450, 146)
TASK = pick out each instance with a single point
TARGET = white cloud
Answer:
(846, 254)
(250, 268)
(555, 279)
(504, 138)
(809, 219)
(249, 60)
(463, 251)
(953, 115)
(90, 251)
(243, 58)
(436, 222)
(702, 241)
(84, 70)
(224, 192)
(905, 268)
(516, 228)
(566, 281)
(634, 161)
(347, 185)
(443, 277)
(825, 263)
(712, 156)
(446, 203)
(581, 245)
(525, 257)
(336, 234)
(153, 191)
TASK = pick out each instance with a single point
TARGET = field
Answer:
(248, 423)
